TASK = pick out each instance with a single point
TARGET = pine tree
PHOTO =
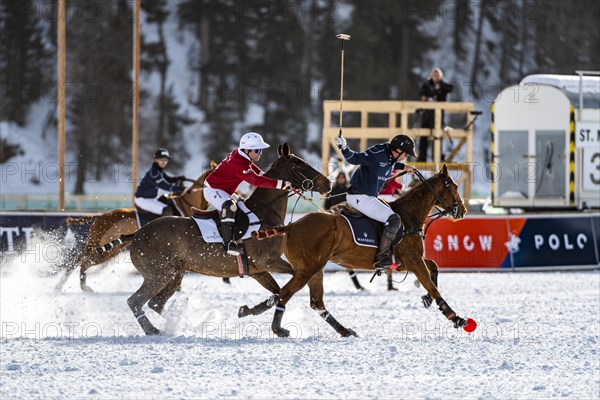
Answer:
(565, 38)
(24, 61)
(388, 47)
(99, 109)
(157, 59)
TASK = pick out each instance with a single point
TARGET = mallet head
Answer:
(342, 36)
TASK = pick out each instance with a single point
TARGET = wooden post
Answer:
(136, 93)
(60, 110)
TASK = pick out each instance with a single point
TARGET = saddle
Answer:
(144, 217)
(209, 224)
(365, 231)
(244, 220)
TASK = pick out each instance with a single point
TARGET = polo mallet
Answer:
(343, 38)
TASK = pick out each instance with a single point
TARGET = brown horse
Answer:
(319, 237)
(167, 247)
(123, 221)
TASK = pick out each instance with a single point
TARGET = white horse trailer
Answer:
(546, 143)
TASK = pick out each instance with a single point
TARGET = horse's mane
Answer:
(415, 193)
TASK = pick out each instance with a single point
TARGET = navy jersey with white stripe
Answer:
(154, 179)
(376, 165)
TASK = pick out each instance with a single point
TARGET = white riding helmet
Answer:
(252, 141)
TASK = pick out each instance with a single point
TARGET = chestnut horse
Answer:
(319, 237)
(122, 221)
(167, 247)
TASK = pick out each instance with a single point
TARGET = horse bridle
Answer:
(448, 209)
(307, 184)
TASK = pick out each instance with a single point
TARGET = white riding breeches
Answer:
(369, 206)
(216, 197)
(151, 205)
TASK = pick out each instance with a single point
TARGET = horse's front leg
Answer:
(433, 271)
(316, 303)
(297, 282)
(424, 276)
(268, 282)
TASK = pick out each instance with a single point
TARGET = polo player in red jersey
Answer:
(222, 183)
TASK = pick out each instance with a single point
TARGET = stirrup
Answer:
(384, 263)
(381, 267)
(232, 249)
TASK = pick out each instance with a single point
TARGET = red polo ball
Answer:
(471, 325)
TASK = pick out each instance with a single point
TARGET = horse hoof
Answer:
(86, 288)
(244, 311)
(281, 332)
(392, 289)
(349, 332)
(152, 332)
(427, 300)
(459, 322)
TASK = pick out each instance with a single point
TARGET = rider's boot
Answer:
(383, 259)
(227, 225)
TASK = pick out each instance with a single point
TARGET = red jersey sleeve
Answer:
(253, 178)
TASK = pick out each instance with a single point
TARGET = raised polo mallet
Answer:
(343, 38)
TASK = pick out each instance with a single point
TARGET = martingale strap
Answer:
(242, 262)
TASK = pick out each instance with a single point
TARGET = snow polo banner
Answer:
(487, 242)
(19, 231)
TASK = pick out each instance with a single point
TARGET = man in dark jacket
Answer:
(376, 164)
(157, 178)
(433, 89)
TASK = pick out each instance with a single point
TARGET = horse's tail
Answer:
(122, 239)
(278, 230)
(80, 220)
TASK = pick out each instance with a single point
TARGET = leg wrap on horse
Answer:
(354, 278)
(339, 328)
(445, 308)
(276, 324)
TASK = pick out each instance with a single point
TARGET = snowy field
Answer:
(538, 337)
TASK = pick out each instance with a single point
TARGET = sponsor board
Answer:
(514, 242)
(473, 243)
(19, 230)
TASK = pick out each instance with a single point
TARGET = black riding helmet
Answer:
(162, 153)
(404, 143)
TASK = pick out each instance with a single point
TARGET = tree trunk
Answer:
(204, 60)
(475, 67)
(163, 68)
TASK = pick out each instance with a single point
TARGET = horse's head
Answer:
(449, 199)
(295, 170)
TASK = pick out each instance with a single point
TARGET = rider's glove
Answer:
(340, 142)
(284, 185)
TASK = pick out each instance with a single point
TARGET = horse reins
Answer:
(451, 209)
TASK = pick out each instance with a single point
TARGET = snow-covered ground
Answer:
(538, 337)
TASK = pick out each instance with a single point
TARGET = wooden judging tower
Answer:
(398, 113)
